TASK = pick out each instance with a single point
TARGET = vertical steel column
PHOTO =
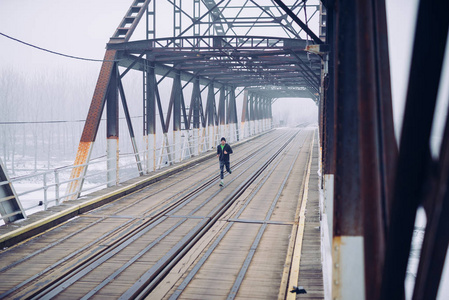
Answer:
(256, 114)
(251, 114)
(329, 123)
(210, 115)
(259, 113)
(227, 132)
(232, 113)
(112, 129)
(320, 104)
(150, 105)
(411, 180)
(91, 127)
(245, 115)
(195, 109)
(196, 16)
(177, 143)
(265, 114)
(436, 238)
(371, 190)
(222, 112)
(177, 17)
(151, 117)
(151, 21)
(348, 243)
(262, 113)
(387, 139)
(270, 113)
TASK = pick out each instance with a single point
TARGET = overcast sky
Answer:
(82, 28)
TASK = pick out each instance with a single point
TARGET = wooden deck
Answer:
(263, 244)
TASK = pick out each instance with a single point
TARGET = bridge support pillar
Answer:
(176, 96)
(210, 115)
(245, 116)
(112, 162)
(90, 128)
(222, 113)
(256, 118)
(150, 124)
(151, 152)
(177, 145)
(251, 115)
(197, 114)
(112, 130)
(348, 272)
(265, 114)
(196, 144)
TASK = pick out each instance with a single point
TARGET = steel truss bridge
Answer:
(373, 184)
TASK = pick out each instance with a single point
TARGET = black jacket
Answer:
(221, 155)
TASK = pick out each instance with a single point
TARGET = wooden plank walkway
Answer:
(311, 273)
(267, 241)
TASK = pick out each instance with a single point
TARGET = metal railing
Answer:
(41, 190)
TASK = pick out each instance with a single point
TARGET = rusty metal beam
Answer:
(436, 238)
(414, 155)
(370, 152)
(91, 126)
(112, 129)
(387, 140)
(347, 244)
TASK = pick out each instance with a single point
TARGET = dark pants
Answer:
(222, 164)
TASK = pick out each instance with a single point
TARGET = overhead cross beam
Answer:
(295, 18)
(224, 60)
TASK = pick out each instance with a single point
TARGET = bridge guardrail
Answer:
(41, 190)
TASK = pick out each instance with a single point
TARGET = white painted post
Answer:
(112, 162)
(348, 272)
(151, 154)
(329, 202)
(177, 145)
(211, 137)
(195, 141)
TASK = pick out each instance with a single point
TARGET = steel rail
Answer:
(65, 259)
(149, 211)
(238, 282)
(150, 280)
(56, 286)
(206, 255)
(153, 214)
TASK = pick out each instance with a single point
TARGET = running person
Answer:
(223, 151)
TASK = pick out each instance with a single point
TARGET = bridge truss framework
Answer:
(373, 185)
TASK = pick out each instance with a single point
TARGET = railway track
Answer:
(176, 218)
